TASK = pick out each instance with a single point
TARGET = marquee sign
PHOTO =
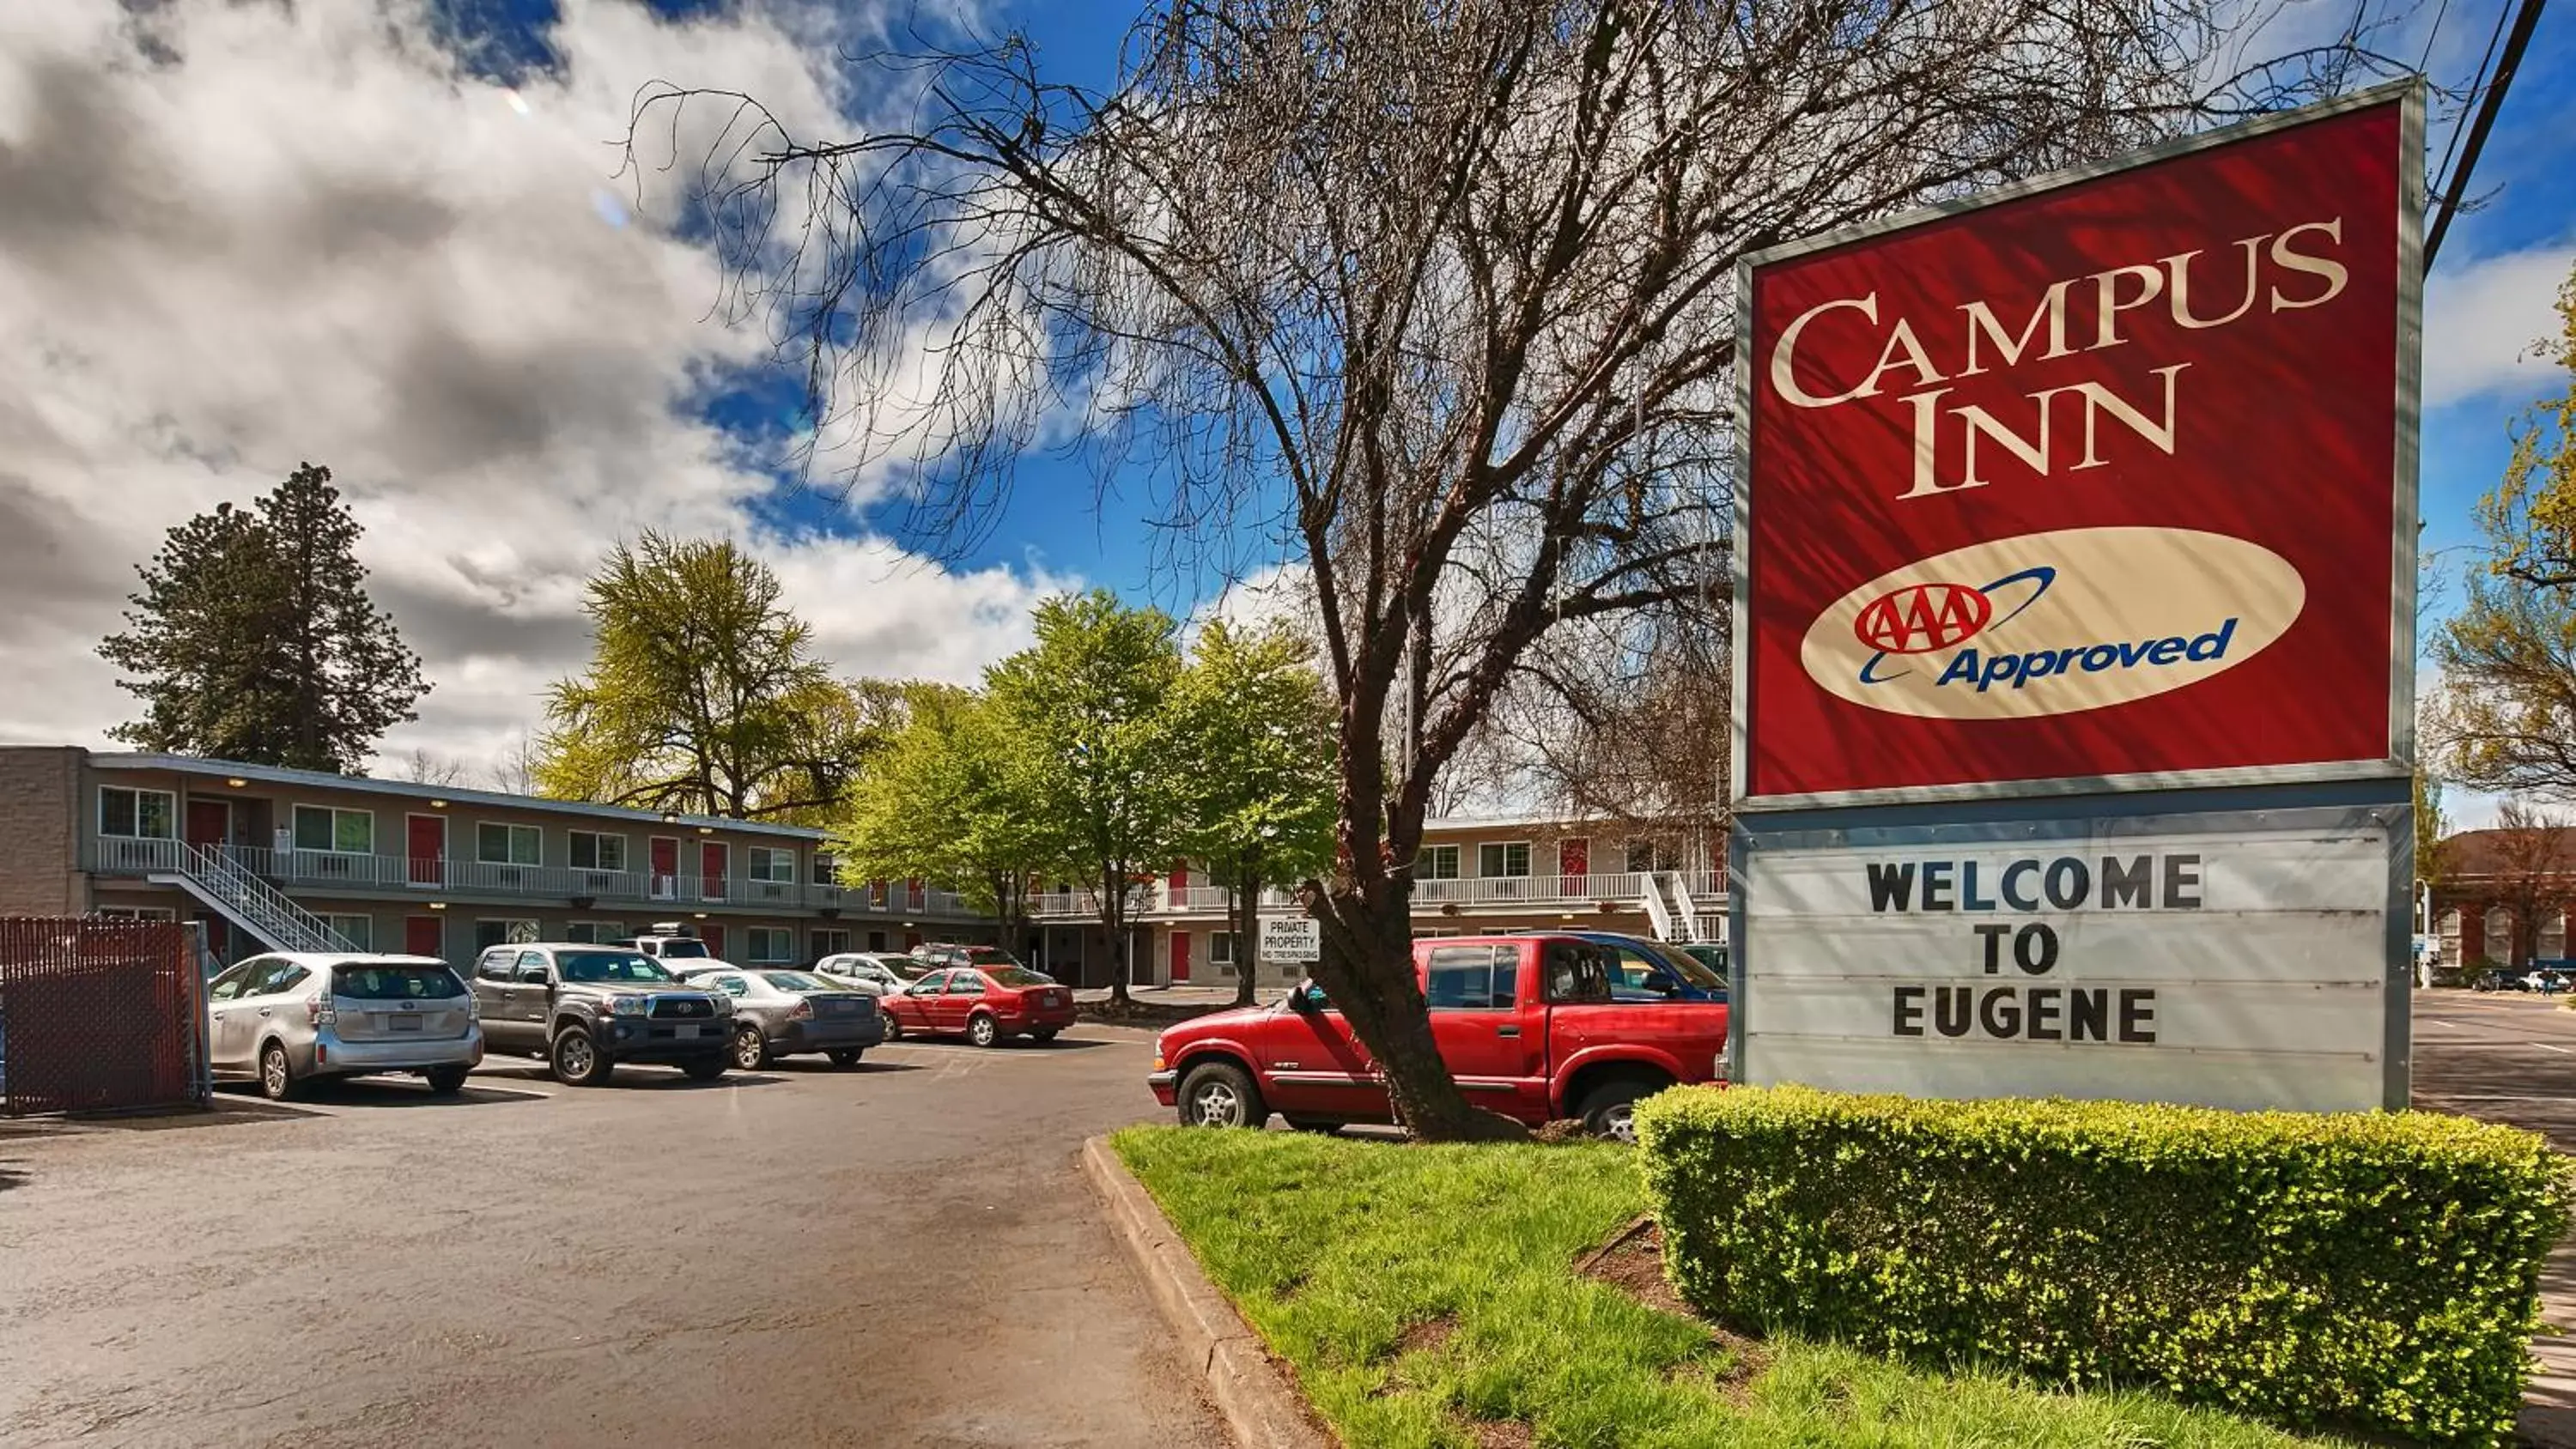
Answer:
(2103, 483)
(2176, 959)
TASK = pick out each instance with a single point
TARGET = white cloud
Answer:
(238, 236)
(2482, 319)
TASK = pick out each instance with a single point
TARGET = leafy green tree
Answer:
(254, 639)
(2504, 718)
(1256, 724)
(1087, 711)
(945, 801)
(703, 694)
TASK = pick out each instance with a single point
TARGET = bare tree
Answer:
(2533, 875)
(423, 768)
(1437, 297)
(514, 770)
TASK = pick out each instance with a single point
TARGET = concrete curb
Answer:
(1260, 1410)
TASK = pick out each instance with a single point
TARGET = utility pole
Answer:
(2524, 22)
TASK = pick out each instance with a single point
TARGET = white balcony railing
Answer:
(393, 874)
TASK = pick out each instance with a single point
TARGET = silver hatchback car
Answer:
(295, 1017)
(779, 1013)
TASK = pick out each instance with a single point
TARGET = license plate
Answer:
(406, 1023)
(686, 1033)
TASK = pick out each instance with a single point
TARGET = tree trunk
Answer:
(1243, 918)
(1113, 922)
(1367, 971)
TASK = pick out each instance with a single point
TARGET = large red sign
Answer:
(2096, 483)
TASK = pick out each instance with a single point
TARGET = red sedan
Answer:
(981, 1005)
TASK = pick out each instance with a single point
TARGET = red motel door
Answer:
(425, 840)
(666, 868)
(1574, 856)
(713, 934)
(421, 936)
(1180, 956)
(209, 821)
(711, 865)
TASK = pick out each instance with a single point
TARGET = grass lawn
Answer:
(1426, 1296)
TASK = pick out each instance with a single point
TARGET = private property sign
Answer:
(2103, 484)
(2174, 959)
(1291, 940)
(2075, 631)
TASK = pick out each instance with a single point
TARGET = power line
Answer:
(2524, 21)
(2477, 85)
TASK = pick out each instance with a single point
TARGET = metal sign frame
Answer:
(2408, 95)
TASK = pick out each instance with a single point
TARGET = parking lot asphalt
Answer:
(900, 1254)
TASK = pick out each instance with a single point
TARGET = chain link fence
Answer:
(100, 1015)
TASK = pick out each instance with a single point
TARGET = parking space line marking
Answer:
(2562, 1051)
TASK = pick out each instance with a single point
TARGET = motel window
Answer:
(2500, 936)
(827, 868)
(595, 933)
(496, 844)
(770, 864)
(137, 814)
(503, 933)
(830, 942)
(1221, 948)
(1648, 855)
(350, 832)
(771, 944)
(592, 850)
(1506, 858)
(358, 931)
(1438, 862)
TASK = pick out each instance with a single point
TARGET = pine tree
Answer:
(253, 638)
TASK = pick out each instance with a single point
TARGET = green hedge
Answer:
(2372, 1271)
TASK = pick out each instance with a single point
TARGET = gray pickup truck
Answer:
(586, 1009)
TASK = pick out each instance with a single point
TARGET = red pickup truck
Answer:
(1527, 1024)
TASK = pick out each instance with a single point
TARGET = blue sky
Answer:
(237, 237)
(2526, 179)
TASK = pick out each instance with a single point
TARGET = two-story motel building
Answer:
(272, 858)
(277, 859)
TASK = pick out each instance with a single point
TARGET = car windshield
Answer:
(1019, 976)
(609, 966)
(394, 983)
(685, 951)
(989, 956)
(793, 981)
(1686, 966)
(907, 968)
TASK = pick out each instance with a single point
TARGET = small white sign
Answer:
(1291, 940)
(2243, 969)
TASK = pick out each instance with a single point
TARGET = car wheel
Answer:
(577, 1060)
(1610, 1111)
(706, 1069)
(1046, 1033)
(1220, 1094)
(276, 1075)
(845, 1056)
(894, 1028)
(446, 1081)
(750, 1048)
(981, 1030)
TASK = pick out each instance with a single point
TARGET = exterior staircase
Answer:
(242, 898)
(1669, 907)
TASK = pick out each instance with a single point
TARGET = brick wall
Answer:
(40, 831)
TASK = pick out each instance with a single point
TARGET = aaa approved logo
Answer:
(2053, 623)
